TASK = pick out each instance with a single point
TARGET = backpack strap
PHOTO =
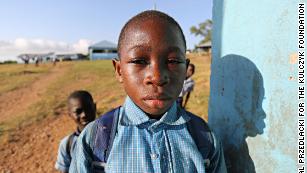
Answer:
(202, 136)
(104, 136)
(208, 145)
(69, 144)
(113, 132)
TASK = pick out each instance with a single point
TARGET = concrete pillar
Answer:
(253, 98)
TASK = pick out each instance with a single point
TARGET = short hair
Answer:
(143, 16)
(193, 67)
(83, 95)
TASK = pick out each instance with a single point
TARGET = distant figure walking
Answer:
(54, 61)
(36, 61)
(187, 88)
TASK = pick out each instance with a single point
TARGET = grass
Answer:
(14, 76)
(95, 76)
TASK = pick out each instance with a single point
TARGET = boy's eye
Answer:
(174, 61)
(139, 61)
(79, 111)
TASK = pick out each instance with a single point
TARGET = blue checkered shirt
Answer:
(145, 145)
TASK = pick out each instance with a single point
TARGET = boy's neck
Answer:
(156, 117)
(79, 129)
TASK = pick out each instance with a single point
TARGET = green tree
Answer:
(204, 30)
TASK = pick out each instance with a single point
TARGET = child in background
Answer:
(82, 109)
(151, 133)
(188, 86)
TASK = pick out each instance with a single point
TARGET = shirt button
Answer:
(154, 156)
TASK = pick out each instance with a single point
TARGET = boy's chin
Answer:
(81, 127)
(156, 108)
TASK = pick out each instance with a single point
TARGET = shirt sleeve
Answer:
(63, 159)
(188, 86)
(217, 161)
(83, 158)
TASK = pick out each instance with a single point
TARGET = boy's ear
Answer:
(118, 72)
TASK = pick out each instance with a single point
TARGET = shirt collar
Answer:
(188, 79)
(77, 132)
(133, 115)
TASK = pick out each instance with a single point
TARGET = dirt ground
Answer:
(32, 148)
(29, 151)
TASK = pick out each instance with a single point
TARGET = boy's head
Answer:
(152, 65)
(190, 70)
(81, 108)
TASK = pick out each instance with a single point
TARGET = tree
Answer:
(204, 30)
(25, 58)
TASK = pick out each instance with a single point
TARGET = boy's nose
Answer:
(157, 74)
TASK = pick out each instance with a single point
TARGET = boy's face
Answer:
(190, 71)
(153, 65)
(81, 113)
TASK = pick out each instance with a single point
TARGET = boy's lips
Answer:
(158, 97)
(157, 101)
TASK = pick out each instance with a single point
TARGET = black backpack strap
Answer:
(113, 132)
(105, 134)
(201, 134)
(69, 144)
(209, 147)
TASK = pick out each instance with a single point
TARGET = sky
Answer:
(70, 26)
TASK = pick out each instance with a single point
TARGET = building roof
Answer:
(103, 45)
(33, 55)
(204, 45)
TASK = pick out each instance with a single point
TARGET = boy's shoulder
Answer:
(64, 140)
(199, 122)
(64, 158)
(189, 80)
(67, 142)
(207, 143)
(104, 121)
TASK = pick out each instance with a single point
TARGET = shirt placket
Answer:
(157, 153)
(168, 155)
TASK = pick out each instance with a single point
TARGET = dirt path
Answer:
(32, 148)
(19, 100)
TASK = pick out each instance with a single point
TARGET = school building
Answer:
(103, 50)
(204, 47)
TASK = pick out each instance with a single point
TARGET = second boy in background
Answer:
(82, 110)
(188, 86)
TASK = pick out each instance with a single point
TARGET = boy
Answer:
(188, 86)
(151, 131)
(82, 110)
